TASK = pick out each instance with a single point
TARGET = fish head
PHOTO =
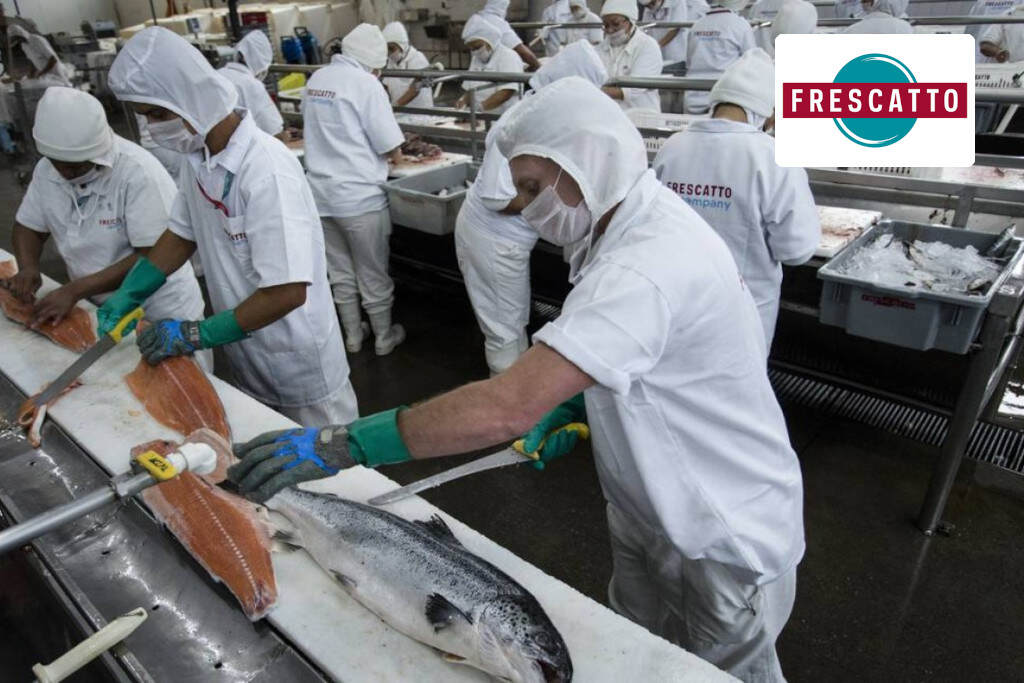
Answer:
(518, 637)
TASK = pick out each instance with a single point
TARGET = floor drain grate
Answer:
(989, 443)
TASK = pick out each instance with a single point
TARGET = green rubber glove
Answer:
(167, 338)
(138, 285)
(374, 440)
(550, 445)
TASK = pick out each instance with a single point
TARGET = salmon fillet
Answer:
(178, 395)
(74, 333)
(221, 531)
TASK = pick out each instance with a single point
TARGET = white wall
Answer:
(54, 16)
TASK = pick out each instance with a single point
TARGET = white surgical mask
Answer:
(90, 176)
(756, 120)
(483, 54)
(620, 37)
(172, 134)
(554, 220)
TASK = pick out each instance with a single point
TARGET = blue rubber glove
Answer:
(167, 338)
(551, 446)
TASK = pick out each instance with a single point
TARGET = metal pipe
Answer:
(152, 10)
(20, 534)
(945, 20)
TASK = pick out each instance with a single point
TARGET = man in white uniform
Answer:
(717, 40)
(244, 201)
(580, 14)
(350, 133)
(628, 51)
(671, 40)
(849, 9)
(494, 12)
(795, 16)
(880, 17)
(47, 69)
(105, 201)
(247, 75)
(1005, 42)
(492, 245)
(489, 54)
(724, 168)
(558, 12)
(705, 500)
(402, 55)
(986, 8)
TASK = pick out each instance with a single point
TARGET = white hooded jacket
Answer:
(688, 436)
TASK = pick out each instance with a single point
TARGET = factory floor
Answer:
(876, 601)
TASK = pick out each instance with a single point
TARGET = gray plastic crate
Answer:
(414, 202)
(904, 316)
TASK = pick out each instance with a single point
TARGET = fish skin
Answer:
(74, 333)
(421, 581)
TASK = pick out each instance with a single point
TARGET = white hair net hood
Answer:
(498, 7)
(893, 7)
(159, 67)
(256, 51)
(574, 124)
(365, 44)
(71, 126)
(478, 28)
(748, 82)
(795, 16)
(626, 8)
(395, 33)
(577, 59)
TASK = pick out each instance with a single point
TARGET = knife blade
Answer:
(86, 360)
(508, 456)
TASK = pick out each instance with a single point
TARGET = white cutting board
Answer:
(318, 617)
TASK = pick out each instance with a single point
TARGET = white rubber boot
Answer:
(353, 326)
(388, 336)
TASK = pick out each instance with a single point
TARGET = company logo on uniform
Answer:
(889, 100)
(110, 222)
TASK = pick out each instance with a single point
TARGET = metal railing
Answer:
(956, 20)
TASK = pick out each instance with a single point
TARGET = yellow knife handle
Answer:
(580, 428)
(157, 465)
(119, 330)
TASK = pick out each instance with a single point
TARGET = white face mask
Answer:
(554, 220)
(756, 120)
(172, 134)
(620, 37)
(483, 54)
(90, 176)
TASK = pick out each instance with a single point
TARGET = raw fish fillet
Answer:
(30, 415)
(221, 531)
(75, 332)
(178, 395)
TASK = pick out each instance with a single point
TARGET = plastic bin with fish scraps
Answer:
(910, 317)
(430, 201)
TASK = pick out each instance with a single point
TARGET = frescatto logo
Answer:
(874, 110)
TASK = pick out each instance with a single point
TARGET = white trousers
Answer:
(357, 260)
(497, 276)
(340, 407)
(697, 604)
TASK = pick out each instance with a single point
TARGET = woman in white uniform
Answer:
(47, 69)
(705, 500)
(489, 54)
(105, 201)
(765, 213)
(493, 246)
(495, 12)
(350, 133)
(880, 17)
(402, 55)
(628, 51)
(247, 75)
(580, 13)
(245, 204)
(1005, 42)
(717, 40)
(671, 40)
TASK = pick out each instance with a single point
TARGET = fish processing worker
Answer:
(581, 14)
(350, 133)
(247, 74)
(1005, 42)
(483, 40)
(663, 340)
(671, 40)
(724, 168)
(717, 40)
(880, 17)
(245, 204)
(558, 12)
(794, 16)
(495, 13)
(629, 52)
(493, 246)
(405, 92)
(47, 69)
(105, 201)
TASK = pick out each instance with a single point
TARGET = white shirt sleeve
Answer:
(180, 222)
(647, 63)
(993, 34)
(792, 227)
(30, 212)
(146, 211)
(615, 325)
(264, 112)
(745, 37)
(508, 60)
(280, 229)
(509, 37)
(379, 122)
